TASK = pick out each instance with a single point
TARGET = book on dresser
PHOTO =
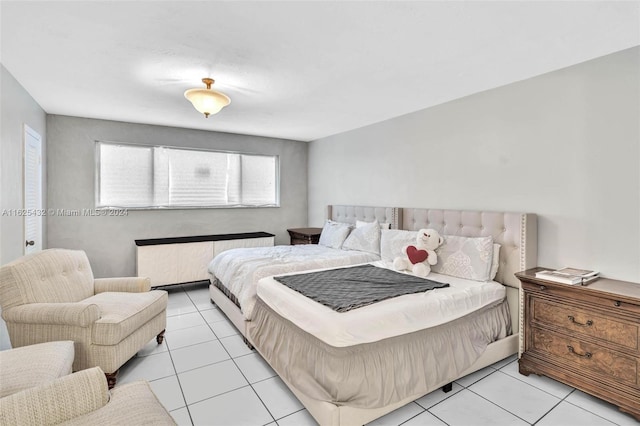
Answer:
(571, 276)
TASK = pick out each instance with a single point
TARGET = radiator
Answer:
(179, 260)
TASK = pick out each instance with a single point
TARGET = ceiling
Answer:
(297, 69)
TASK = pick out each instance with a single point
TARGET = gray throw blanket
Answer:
(344, 289)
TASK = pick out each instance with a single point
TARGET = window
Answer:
(136, 176)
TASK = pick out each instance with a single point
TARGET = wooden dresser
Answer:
(304, 235)
(585, 336)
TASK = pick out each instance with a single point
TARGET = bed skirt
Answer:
(376, 374)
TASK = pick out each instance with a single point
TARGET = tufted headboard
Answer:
(517, 233)
(349, 214)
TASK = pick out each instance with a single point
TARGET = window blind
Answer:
(126, 175)
(156, 176)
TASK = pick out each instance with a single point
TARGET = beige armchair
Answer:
(83, 398)
(30, 366)
(52, 295)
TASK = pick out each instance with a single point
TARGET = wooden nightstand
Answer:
(304, 235)
(585, 336)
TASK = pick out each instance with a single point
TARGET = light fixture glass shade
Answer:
(207, 101)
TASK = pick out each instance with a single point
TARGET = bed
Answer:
(395, 369)
(235, 273)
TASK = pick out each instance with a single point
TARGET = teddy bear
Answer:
(419, 258)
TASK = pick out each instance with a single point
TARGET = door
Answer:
(32, 191)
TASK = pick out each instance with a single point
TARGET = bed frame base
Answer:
(246, 342)
(231, 311)
(327, 413)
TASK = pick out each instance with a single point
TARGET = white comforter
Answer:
(391, 317)
(239, 270)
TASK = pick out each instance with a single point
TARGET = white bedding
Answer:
(239, 270)
(391, 317)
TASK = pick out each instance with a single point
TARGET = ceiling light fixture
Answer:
(207, 101)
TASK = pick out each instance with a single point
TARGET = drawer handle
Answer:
(617, 303)
(585, 355)
(589, 323)
(542, 288)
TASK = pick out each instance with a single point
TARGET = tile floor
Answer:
(205, 375)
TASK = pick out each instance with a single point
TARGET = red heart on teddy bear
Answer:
(415, 255)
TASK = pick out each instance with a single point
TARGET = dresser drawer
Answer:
(611, 365)
(295, 241)
(582, 322)
(586, 294)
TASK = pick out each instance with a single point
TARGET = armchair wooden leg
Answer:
(160, 337)
(111, 379)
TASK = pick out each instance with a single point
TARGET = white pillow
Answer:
(392, 241)
(383, 225)
(333, 234)
(495, 261)
(365, 237)
(465, 257)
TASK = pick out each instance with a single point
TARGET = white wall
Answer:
(564, 145)
(109, 241)
(17, 108)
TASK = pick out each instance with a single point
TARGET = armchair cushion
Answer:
(58, 401)
(122, 314)
(30, 366)
(78, 314)
(125, 284)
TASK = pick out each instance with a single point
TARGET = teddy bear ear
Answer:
(440, 240)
